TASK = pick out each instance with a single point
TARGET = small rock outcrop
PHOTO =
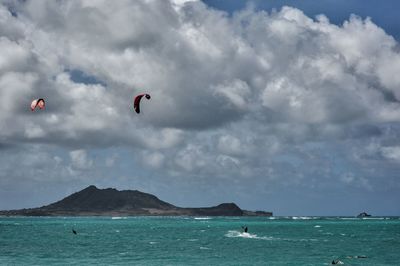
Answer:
(363, 214)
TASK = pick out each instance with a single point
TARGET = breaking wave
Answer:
(202, 218)
(118, 218)
(234, 233)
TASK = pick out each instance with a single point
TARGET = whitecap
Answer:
(118, 218)
(245, 235)
(317, 226)
(202, 218)
(301, 218)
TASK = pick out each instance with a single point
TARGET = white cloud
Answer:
(182, 2)
(34, 131)
(162, 139)
(244, 90)
(80, 160)
(57, 159)
(351, 179)
(191, 158)
(237, 93)
(392, 153)
(110, 161)
(203, 69)
(153, 160)
(228, 162)
(230, 145)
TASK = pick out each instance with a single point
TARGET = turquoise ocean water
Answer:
(198, 241)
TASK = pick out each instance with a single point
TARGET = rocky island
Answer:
(92, 201)
(363, 215)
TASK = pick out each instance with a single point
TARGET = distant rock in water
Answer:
(363, 214)
(92, 201)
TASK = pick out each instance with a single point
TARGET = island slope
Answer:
(92, 201)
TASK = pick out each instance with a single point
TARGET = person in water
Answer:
(73, 231)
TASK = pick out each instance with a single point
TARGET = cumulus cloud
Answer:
(240, 96)
(153, 160)
(230, 145)
(80, 160)
(204, 69)
(351, 179)
(391, 152)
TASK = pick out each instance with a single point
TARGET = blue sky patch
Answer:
(79, 76)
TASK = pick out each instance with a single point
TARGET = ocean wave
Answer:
(118, 218)
(202, 218)
(303, 218)
(234, 233)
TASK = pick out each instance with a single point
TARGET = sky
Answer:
(283, 106)
(383, 13)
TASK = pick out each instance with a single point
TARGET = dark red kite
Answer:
(138, 98)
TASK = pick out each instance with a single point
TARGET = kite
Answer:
(138, 98)
(37, 103)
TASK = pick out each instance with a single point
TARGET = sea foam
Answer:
(234, 233)
(118, 218)
(202, 218)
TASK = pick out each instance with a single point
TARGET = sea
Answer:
(199, 241)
